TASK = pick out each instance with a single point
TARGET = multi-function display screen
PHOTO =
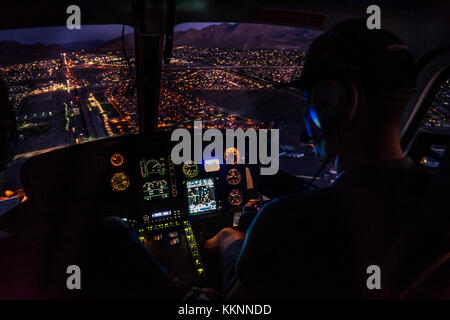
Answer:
(201, 196)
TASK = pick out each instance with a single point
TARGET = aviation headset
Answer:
(336, 70)
(342, 102)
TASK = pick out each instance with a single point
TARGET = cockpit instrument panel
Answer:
(158, 194)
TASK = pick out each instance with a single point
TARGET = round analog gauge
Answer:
(120, 181)
(235, 197)
(161, 184)
(190, 169)
(157, 184)
(117, 159)
(234, 176)
(233, 153)
(152, 166)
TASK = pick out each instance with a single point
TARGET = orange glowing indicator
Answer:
(9, 193)
(233, 154)
(117, 159)
(120, 181)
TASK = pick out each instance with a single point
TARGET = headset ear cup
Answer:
(354, 101)
(335, 102)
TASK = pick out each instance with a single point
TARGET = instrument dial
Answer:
(234, 177)
(235, 197)
(120, 181)
(117, 159)
(152, 166)
(234, 154)
(190, 169)
(161, 184)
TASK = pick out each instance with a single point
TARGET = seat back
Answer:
(418, 265)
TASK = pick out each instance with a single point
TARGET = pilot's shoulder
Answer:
(303, 198)
(301, 205)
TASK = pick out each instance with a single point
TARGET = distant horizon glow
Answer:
(61, 35)
(196, 25)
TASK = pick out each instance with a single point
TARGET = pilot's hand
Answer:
(218, 243)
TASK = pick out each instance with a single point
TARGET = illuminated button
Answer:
(200, 270)
(174, 241)
(212, 165)
(173, 234)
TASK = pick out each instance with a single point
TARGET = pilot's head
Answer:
(356, 83)
(8, 133)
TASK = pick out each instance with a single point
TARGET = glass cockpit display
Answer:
(154, 173)
(156, 189)
(201, 196)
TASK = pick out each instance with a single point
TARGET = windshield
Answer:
(228, 74)
(69, 87)
(66, 87)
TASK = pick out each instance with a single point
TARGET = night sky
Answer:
(61, 35)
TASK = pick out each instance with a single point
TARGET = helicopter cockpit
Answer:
(98, 109)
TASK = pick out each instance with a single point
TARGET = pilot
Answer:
(320, 243)
(35, 256)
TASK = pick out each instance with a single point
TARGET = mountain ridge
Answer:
(246, 35)
(13, 52)
(241, 36)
